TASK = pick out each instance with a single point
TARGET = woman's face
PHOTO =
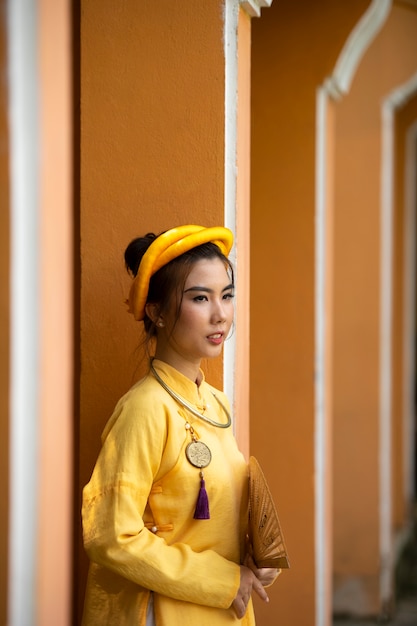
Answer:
(204, 321)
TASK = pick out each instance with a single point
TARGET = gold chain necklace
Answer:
(189, 407)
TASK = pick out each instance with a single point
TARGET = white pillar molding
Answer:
(333, 88)
(24, 314)
(359, 40)
(321, 444)
(231, 34)
(253, 7)
(385, 367)
(231, 18)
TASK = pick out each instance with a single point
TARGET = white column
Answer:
(231, 16)
(24, 159)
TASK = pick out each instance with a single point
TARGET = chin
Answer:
(217, 350)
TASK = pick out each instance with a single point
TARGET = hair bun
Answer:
(135, 251)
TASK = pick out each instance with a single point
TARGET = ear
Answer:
(153, 312)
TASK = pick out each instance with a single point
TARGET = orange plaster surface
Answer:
(54, 584)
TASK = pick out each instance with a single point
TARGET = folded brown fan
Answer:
(265, 532)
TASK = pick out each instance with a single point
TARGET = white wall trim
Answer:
(401, 94)
(409, 339)
(231, 19)
(335, 87)
(320, 434)
(355, 47)
(24, 315)
(253, 7)
(385, 342)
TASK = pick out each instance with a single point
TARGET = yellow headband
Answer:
(168, 246)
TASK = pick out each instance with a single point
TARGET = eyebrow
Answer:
(207, 290)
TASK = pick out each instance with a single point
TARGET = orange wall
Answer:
(4, 324)
(357, 305)
(356, 346)
(286, 74)
(152, 156)
(242, 387)
(54, 541)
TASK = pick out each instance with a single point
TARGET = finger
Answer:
(246, 599)
(239, 607)
(245, 604)
(268, 573)
(258, 587)
(252, 565)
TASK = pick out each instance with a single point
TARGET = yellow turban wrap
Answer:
(166, 247)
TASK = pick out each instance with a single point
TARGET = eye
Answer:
(229, 295)
(200, 298)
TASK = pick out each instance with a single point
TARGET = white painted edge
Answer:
(253, 7)
(409, 338)
(401, 94)
(231, 18)
(24, 314)
(320, 438)
(385, 342)
(355, 47)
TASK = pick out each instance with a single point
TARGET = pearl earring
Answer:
(160, 324)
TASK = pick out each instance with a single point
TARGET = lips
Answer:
(215, 338)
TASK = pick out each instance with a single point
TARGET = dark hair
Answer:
(168, 282)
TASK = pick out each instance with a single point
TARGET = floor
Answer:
(405, 613)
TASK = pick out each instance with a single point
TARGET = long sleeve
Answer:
(142, 481)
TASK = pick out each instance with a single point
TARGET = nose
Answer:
(219, 312)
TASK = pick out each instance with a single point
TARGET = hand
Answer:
(265, 575)
(248, 583)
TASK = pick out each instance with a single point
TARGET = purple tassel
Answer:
(202, 507)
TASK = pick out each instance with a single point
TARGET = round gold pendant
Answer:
(198, 454)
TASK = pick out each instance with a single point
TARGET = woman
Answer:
(165, 511)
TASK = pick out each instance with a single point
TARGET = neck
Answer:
(189, 369)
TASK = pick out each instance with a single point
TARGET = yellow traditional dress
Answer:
(139, 529)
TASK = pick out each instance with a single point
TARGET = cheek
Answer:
(190, 317)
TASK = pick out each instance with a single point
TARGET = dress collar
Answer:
(180, 383)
